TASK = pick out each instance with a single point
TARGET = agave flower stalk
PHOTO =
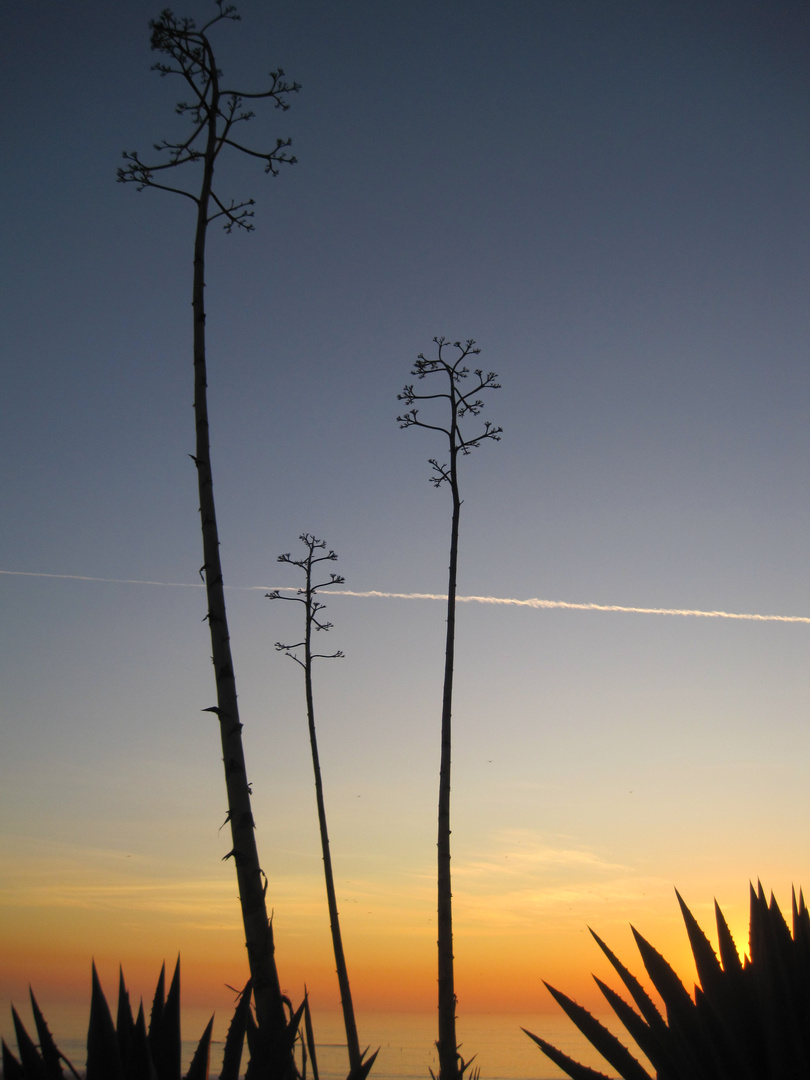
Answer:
(302, 653)
(216, 114)
(461, 403)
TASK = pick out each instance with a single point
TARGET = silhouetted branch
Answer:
(307, 595)
(213, 111)
(236, 213)
(277, 91)
(461, 403)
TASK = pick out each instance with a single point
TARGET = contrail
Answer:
(106, 580)
(535, 603)
(374, 594)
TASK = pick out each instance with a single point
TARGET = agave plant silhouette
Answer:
(125, 1049)
(749, 1019)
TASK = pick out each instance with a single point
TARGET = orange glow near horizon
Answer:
(501, 967)
(523, 906)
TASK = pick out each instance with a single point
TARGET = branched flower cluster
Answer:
(462, 403)
(307, 596)
(214, 112)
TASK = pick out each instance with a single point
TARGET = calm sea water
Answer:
(407, 1052)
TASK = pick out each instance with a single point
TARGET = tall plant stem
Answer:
(447, 1045)
(312, 606)
(258, 930)
(352, 1039)
(215, 113)
(461, 404)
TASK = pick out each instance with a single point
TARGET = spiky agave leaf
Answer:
(12, 1069)
(51, 1055)
(32, 1064)
(103, 1055)
(637, 992)
(637, 1027)
(464, 1065)
(302, 1072)
(125, 1026)
(614, 1052)
(683, 1020)
(365, 1066)
(310, 1035)
(234, 1040)
(198, 1070)
(567, 1064)
(158, 1003)
(164, 1036)
(780, 931)
(164, 1026)
(732, 965)
(676, 998)
(801, 922)
(140, 1066)
(708, 966)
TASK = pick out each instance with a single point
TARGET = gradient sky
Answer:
(612, 199)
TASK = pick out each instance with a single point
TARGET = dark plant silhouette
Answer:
(460, 405)
(216, 113)
(748, 1020)
(303, 655)
(125, 1049)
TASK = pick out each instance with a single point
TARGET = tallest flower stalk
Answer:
(215, 113)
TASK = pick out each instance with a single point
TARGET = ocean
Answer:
(407, 1052)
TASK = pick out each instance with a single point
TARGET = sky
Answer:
(611, 200)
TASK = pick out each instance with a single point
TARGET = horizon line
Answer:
(532, 602)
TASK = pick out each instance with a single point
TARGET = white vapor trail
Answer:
(535, 603)
(106, 580)
(374, 594)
